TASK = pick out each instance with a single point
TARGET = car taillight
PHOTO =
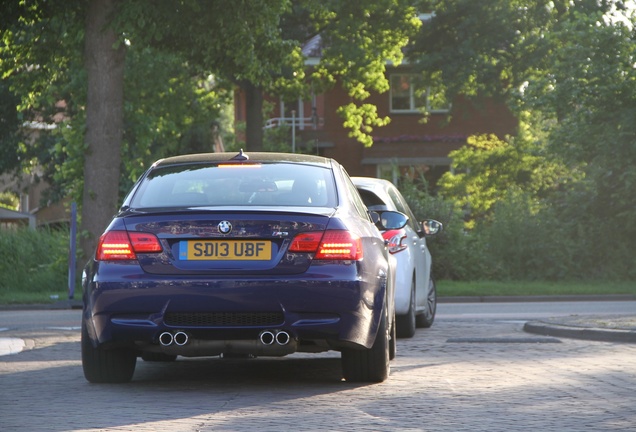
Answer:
(306, 242)
(330, 245)
(144, 242)
(395, 240)
(123, 245)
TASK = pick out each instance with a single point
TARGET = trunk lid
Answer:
(200, 242)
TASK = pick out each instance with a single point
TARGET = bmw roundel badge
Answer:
(225, 227)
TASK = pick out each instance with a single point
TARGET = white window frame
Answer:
(413, 108)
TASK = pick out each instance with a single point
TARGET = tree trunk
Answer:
(253, 117)
(104, 123)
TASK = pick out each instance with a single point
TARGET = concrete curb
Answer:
(576, 332)
(59, 305)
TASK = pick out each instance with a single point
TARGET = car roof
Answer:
(378, 187)
(245, 157)
(372, 183)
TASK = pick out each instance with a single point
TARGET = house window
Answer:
(431, 173)
(406, 98)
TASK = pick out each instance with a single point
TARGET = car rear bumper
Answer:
(231, 315)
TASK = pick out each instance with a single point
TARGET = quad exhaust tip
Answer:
(179, 338)
(268, 337)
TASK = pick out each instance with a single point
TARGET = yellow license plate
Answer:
(225, 250)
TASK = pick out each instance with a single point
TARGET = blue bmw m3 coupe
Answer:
(225, 254)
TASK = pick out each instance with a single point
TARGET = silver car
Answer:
(415, 292)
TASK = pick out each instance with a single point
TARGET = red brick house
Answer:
(406, 144)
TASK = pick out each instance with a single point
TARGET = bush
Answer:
(34, 261)
(523, 240)
(456, 254)
(522, 243)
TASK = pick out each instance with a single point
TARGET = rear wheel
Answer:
(426, 319)
(393, 340)
(106, 366)
(369, 365)
(406, 323)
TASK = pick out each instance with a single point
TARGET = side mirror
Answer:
(386, 220)
(431, 227)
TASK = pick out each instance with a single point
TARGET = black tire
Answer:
(426, 319)
(158, 357)
(406, 323)
(393, 340)
(369, 365)
(106, 366)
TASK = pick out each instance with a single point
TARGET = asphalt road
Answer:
(22, 320)
(475, 369)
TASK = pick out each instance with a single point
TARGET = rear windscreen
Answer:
(271, 184)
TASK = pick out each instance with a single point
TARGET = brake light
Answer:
(395, 239)
(123, 245)
(144, 242)
(330, 245)
(306, 242)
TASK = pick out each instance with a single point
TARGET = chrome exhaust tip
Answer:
(267, 337)
(282, 338)
(166, 339)
(181, 338)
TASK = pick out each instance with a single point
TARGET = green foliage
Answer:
(40, 65)
(487, 169)
(33, 262)
(524, 243)
(169, 109)
(172, 101)
(359, 39)
(238, 42)
(523, 240)
(593, 103)
(9, 129)
(360, 120)
(456, 254)
(567, 69)
(9, 200)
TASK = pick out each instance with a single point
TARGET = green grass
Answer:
(447, 288)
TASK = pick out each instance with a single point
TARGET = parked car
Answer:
(415, 292)
(265, 254)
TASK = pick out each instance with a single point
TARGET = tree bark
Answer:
(253, 117)
(104, 62)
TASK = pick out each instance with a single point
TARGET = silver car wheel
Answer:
(426, 319)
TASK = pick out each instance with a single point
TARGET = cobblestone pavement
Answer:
(460, 375)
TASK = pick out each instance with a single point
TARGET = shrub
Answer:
(456, 254)
(524, 239)
(524, 243)
(34, 261)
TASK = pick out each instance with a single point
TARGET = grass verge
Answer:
(446, 288)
